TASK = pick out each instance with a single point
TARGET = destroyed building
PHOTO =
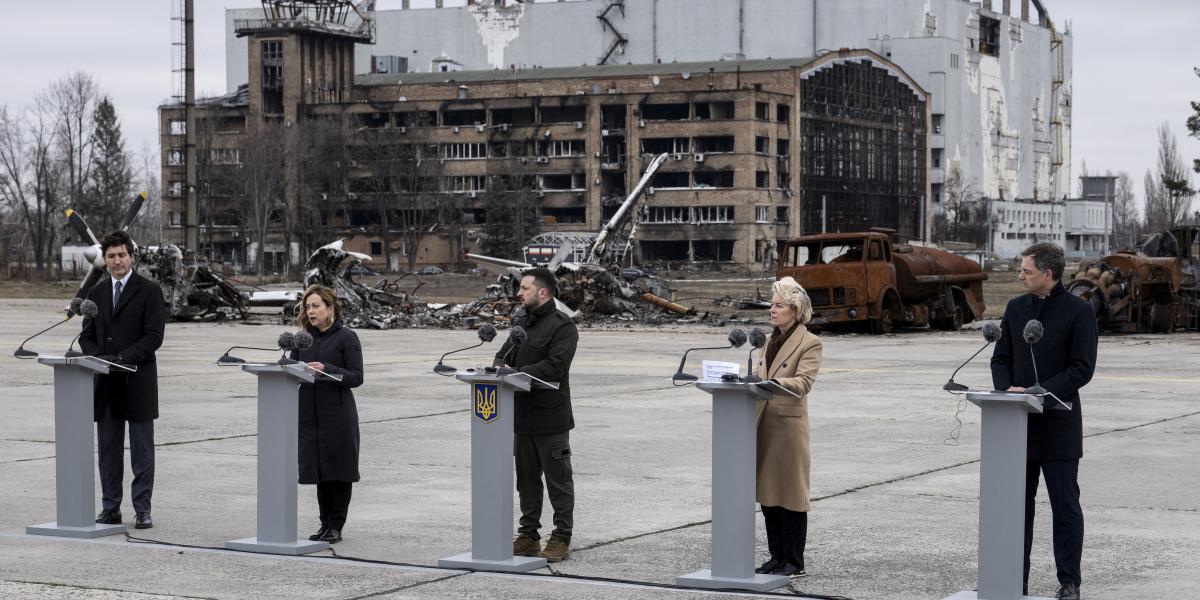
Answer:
(999, 72)
(761, 151)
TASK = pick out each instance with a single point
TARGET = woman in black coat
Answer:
(328, 433)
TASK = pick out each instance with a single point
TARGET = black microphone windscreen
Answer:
(287, 340)
(88, 309)
(303, 340)
(487, 332)
(737, 337)
(1033, 331)
(75, 304)
(991, 331)
(518, 335)
(758, 337)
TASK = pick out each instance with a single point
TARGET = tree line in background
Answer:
(65, 150)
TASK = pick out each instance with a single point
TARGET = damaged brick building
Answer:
(760, 151)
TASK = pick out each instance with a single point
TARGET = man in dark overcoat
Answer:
(1065, 360)
(543, 419)
(128, 329)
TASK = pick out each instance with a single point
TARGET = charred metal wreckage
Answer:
(1154, 288)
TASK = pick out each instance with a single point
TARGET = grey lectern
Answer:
(492, 474)
(75, 471)
(278, 471)
(1002, 454)
(734, 444)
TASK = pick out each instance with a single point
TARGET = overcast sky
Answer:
(1133, 65)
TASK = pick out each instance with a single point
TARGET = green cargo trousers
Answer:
(549, 455)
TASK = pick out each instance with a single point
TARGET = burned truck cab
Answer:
(867, 277)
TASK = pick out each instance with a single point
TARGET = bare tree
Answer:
(965, 217)
(404, 187)
(147, 227)
(324, 170)
(260, 179)
(1169, 195)
(30, 184)
(1126, 224)
(512, 203)
(71, 102)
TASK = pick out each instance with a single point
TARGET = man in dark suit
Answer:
(127, 330)
(1066, 359)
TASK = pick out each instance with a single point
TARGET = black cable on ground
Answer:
(554, 573)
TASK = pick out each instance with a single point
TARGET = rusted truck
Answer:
(1154, 288)
(867, 278)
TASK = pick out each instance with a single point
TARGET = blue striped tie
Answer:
(116, 294)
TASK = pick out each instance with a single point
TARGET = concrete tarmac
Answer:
(895, 505)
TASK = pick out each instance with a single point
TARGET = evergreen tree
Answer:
(110, 189)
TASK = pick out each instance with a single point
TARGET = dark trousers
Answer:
(787, 532)
(548, 455)
(333, 497)
(1062, 486)
(110, 434)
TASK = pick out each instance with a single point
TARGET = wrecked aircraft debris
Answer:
(1154, 288)
(191, 290)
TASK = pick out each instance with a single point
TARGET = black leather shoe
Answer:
(331, 536)
(143, 521)
(1068, 591)
(791, 569)
(316, 537)
(769, 566)
(109, 516)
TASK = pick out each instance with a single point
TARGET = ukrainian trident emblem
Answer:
(486, 401)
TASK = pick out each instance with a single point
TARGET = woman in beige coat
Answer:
(792, 358)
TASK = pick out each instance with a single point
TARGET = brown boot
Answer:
(557, 549)
(524, 545)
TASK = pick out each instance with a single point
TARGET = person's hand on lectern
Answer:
(318, 366)
(1015, 389)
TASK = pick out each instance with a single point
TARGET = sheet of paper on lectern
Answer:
(713, 369)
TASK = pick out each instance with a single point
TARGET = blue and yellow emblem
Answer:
(486, 398)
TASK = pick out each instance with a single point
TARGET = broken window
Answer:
(714, 179)
(513, 116)
(175, 189)
(665, 112)
(474, 216)
(224, 156)
(762, 111)
(177, 127)
(714, 111)
(174, 219)
(664, 250)
(762, 179)
(175, 157)
(561, 148)
(989, 36)
(783, 147)
(463, 151)
(373, 120)
(782, 213)
(717, 144)
(574, 214)
(783, 113)
(712, 250)
(415, 118)
(376, 248)
(935, 158)
(666, 214)
(612, 116)
(561, 182)
(564, 114)
(785, 180)
(712, 214)
(464, 117)
(670, 179)
(937, 120)
(762, 144)
(272, 76)
(673, 145)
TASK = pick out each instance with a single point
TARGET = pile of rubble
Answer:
(191, 289)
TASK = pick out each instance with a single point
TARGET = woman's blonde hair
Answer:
(793, 293)
(326, 295)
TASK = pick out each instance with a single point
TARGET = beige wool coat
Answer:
(784, 463)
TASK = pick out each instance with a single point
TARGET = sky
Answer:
(1133, 66)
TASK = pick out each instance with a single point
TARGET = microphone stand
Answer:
(680, 375)
(953, 386)
(442, 369)
(71, 351)
(21, 352)
(750, 376)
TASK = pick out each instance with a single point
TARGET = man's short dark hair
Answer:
(1047, 257)
(544, 279)
(117, 238)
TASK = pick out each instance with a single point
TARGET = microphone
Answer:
(758, 339)
(518, 336)
(88, 309)
(737, 337)
(1033, 334)
(486, 333)
(287, 343)
(73, 310)
(303, 340)
(289, 338)
(991, 333)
